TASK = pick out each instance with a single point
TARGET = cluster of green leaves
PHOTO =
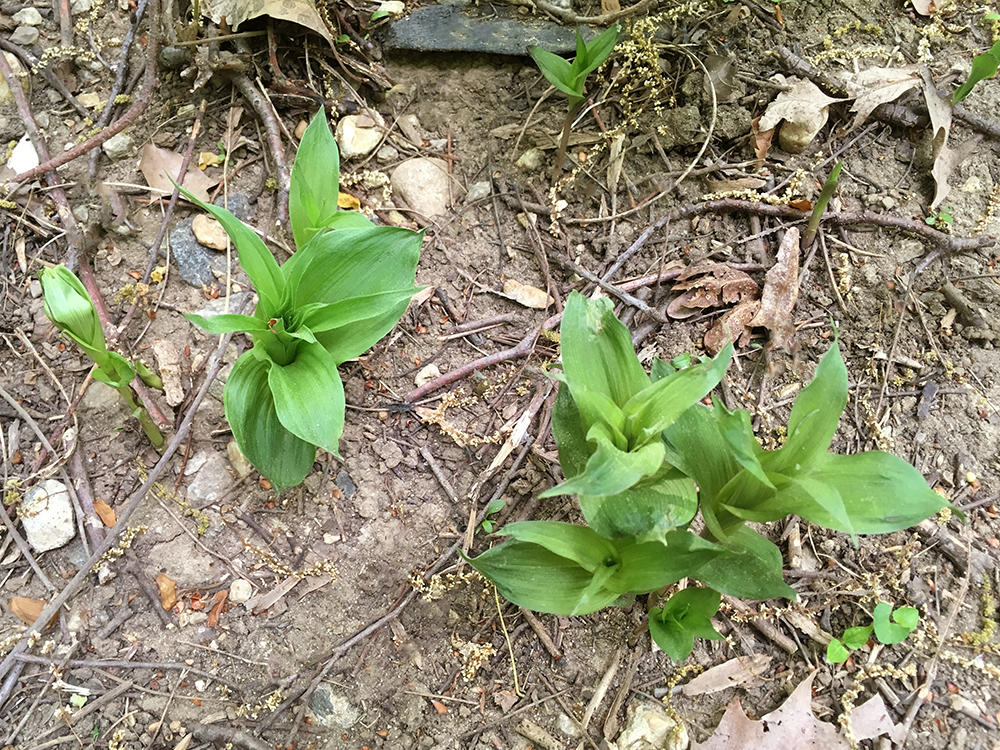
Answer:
(889, 625)
(71, 310)
(644, 456)
(983, 66)
(342, 291)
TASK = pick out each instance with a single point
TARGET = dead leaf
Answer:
(733, 673)
(792, 725)
(169, 361)
(218, 607)
(760, 140)
(105, 512)
(722, 76)
(26, 610)
(876, 86)
(733, 326)
(706, 286)
(159, 165)
(439, 706)
(946, 159)
(743, 183)
(264, 601)
(208, 159)
(302, 12)
(807, 625)
(805, 110)
(610, 6)
(348, 202)
(505, 699)
(527, 295)
(871, 719)
(923, 7)
(781, 291)
(168, 590)
(209, 232)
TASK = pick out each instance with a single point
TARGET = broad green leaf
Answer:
(114, 370)
(555, 69)
(648, 510)
(70, 308)
(836, 653)
(672, 638)
(686, 615)
(315, 181)
(309, 397)
(697, 447)
(596, 408)
(889, 632)
(276, 453)
(577, 543)
(597, 350)
(753, 571)
(597, 51)
(570, 434)
(611, 471)
(814, 417)
(228, 323)
(532, 577)
(857, 637)
(254, 256)
(983, 66)
(880, 492)
(320, 317)
(581, 48)
(652, 410)
(649, 566)
(907, 617)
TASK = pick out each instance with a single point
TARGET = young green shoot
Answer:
(71, 310)
(571, 77)
(820, 208)
(890, 626)
(341, 292)
(983, 66)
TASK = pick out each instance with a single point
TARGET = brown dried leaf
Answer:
(302, 12)
(804, 108)
(26, 610)
(923, 7)
(169, 361)
(158, 165)
(876, 86)
(760, 140)
(733, 673)
(505, 699)
(792, 725)
(710, 285)
(733, 326)
(168, 590)
(871, 719)
(781, 291)
(946, 159)
(218, 607)
(106, 512)
(527, 295)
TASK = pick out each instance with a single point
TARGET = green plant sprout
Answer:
(570, 78)
(71, 310)
(341, 292)
(818, 210)
(644, 457)
(983, 66)
(942, 220)
(495, 507)
(890, 626)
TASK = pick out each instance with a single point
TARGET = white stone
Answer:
(478, 191)
(240, 591)
(212, 481)
(47, 516)
(24, 35)
(531, 160)
(28, 17)
(24, 156)
(424, 185)
(394, 8)
(427, 374)
(357, 135)
(118, 146)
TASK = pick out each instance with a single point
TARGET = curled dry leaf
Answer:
(804, 109)
(168, 590)
(733, 326)
(946, 159)
(105, 512)
(218, 607)
(736, 672)
(760, 139)
(158, 166)
(302, 12)
(781, 291)
(707, 286)
(527, 295)
(876, 86)
(26, 610)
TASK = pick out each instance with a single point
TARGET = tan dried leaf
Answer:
(169, 361)
(168, 590)
(527, 295)
(923, 7)
(209, 232)
(26, 610)
(871, 719)
(946, 159)
(804, 108)
(876, 86)
(781, 291)
(736, 672)
(105, 512)
(302, 12)
(158, 165)
(710, 285)
(733, 326)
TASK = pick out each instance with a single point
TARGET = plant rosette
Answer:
(343, 290)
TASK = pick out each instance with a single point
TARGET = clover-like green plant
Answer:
(889, 625)
(71, 310)
(571, 77)
(644, 456)
(342, 291)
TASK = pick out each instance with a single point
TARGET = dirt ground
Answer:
(336, 648)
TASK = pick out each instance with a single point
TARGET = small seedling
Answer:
(890, 626)
(942, 220)
(495, 507)
(983, 66)
(685, 616)
(343, 290)
(824, 200)
(71, 310)
(570, 77)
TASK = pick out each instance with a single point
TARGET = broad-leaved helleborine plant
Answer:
(343, 290)
(644, 455)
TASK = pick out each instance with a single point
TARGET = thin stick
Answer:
(542, 633)
(438, 474)
(506, 637)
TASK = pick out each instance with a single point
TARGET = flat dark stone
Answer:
(486, 28)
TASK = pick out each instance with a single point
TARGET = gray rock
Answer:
(345, 484)
(451, 28)
(118, 146)
(81, 6)
(101, 397)
(24, 36)
(531, 160)
(332, 710)
(194, 260)
(212, 480)
(424, 184)
(478, 191)
(28, 16)
(47, 516)
(173, 58)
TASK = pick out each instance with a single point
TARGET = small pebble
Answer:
(531, 160)
(240, 591)
(28, 17)
(25, 36)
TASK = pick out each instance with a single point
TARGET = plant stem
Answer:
(564, 142)
(824, 200)
(140, 413)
